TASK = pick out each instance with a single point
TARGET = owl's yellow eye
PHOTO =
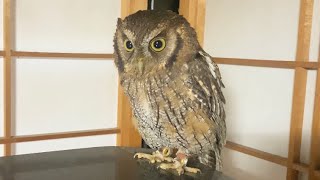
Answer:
(158, 44)
(128, 45)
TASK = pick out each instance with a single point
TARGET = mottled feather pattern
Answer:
(177, 99)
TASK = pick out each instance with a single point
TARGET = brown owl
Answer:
(174, 88)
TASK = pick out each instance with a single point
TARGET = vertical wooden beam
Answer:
(7, 73)
(194, 11)
(300, 83)
(128, 136)
(315, 132)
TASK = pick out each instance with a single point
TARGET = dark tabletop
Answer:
(101, 163)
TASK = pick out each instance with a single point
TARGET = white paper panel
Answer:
(66, 26)
(258, 106)
(308, 116)
(252, 28)
(1, 24)
(65, 95)
(243, 167)
(65, 144)
(315, 33)
(1, 98)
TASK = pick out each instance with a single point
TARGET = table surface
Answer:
(105, 163)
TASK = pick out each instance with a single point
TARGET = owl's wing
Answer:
(214, 70)
(207, 84)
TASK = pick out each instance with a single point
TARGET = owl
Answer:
(174, 87)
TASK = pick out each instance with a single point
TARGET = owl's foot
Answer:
(156, 156)
(180, 165)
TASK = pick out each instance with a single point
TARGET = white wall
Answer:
(59, 95)
(259, 99)
(66, 26)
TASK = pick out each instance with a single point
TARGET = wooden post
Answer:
(7, 73)
(128, 136)
(299, 91)
(315, 132)
(194, 11)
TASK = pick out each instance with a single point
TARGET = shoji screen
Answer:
(54, 95)
(259, 100)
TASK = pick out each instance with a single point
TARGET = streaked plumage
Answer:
(175, 93)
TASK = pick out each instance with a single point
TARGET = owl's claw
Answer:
(156, 156)
(179, 166)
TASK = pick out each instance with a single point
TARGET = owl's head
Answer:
(150, 40)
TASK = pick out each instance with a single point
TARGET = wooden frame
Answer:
(194, 11)
(129, 135)
(7, 73)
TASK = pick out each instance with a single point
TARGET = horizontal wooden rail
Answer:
(268, 63)
(266, 156)
(71, 134)
(61, 55)
(257, 153)
(2, 53)
(230, 61)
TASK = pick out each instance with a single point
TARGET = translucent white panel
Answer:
(65, 144)
(252, 28)
(65, 95)
(66, 26)
(258, 106)
(243, 167)
(315, 33)
(1, 24)
(308, 116)
(1, 98)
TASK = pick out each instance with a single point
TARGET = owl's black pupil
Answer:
(158, 44)
(129, 45)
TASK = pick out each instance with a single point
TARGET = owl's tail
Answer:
(212, 159)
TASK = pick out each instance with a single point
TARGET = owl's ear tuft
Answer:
(119, 23)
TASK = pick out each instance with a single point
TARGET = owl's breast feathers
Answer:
(180, 107)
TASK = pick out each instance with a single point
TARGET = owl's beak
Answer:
(140, 65)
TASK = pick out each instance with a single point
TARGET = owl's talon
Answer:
(192, 170)
(156, 156)
(179, 166)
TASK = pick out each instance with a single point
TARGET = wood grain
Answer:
(71, 134)
(7, 73)
(266, 156)
(316, 175)
(268, 63)
(61, 55)
(129, 136)
(315, 132)
(194, 12)
(286, 64)
(257, 153)
(299, 91)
